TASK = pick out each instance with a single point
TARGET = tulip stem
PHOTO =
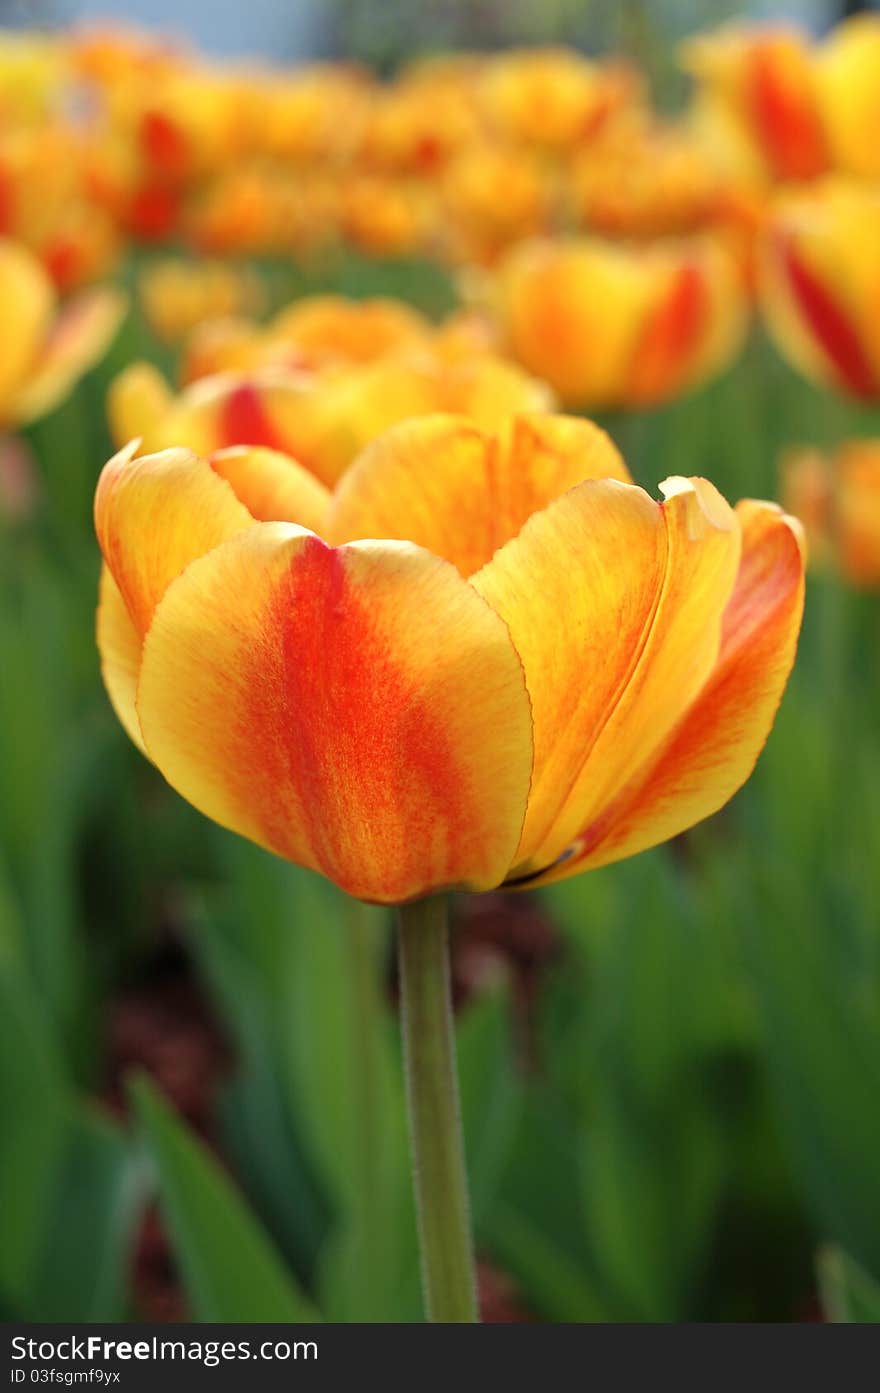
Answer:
(439, 1176)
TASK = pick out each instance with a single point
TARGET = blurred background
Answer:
(670, 1067)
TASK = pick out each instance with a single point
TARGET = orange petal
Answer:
(79, 337)
(614, 604)
(272, 486)
(359, 711)
(154, 515)
(441, 482)
(713, 748)
(119, 645)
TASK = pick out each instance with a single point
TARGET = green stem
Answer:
(367, 1026)
(439, 1177)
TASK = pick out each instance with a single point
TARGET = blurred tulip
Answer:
(758, 104)
(311, 334)
(644, 180)
(836, 496)
(820, 284)
(848, 77)
(773, 103)
(323, 421)
(493, 195)
(552, 98)
(386, 216)
(34, 72)
(177, 295)
(548, 671)
(313, 115)
(46, 349)
(610, 325)
(417, 124)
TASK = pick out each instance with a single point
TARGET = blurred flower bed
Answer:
(669, 1067)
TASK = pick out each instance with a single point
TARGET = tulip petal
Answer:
(137, 400)
(441, 482)
(829, 323)
(79, 337)
(713, 748)
(155, 514)
(614, 604)
(119, 644)
(273, 486)
(360, 711)
(671, 335)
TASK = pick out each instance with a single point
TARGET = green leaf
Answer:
(33, 1100)
(849, 1294)
(491, 1094)
(90, 1226)
(553, 1284)
(230, 1269)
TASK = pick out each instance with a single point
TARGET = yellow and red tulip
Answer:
(324, 421)
(530, 668)
(820, 284)
(552, 98)
(757, 105)
(610, 325)
(836, 496)
(776, 105)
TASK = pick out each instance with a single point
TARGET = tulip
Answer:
(311, 334)
(848, 77)
(324, 421)
(552, 98)
(758, 103)
(387, 216)
(836, 496)
(645, 181)
(493, 195)
(776, 105)
(610, 665)
(611, 325)
(485, 658)
(46, 349)
(820, 283)
(177, 295)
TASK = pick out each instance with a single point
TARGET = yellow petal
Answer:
(137, 400)
(26, 304)
(78, 339)
(119, 645)
(273, 487)
(712, 749)
(154, 515)
(460, 492)
(614, 604)
(360, 711)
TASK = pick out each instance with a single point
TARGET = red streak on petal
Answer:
(334, 717)
(786, 119)
(670, 337)
(244, 420)
(62, 260)
(830, 326)
(153, 212)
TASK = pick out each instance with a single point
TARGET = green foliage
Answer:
(849, 1295)
(230, 1269)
